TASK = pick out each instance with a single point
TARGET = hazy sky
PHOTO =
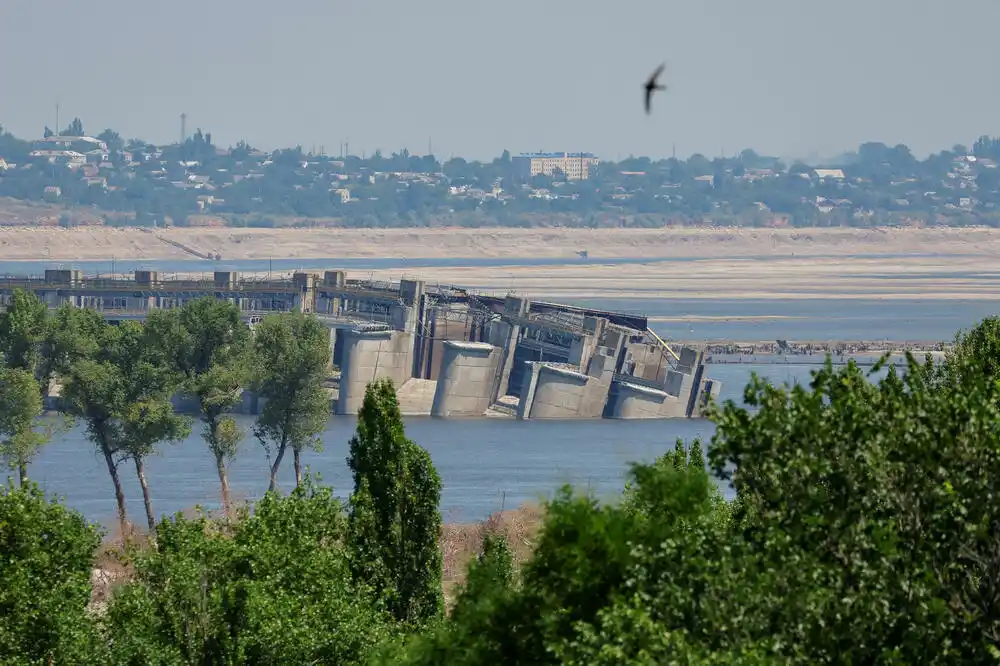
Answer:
(785, 77)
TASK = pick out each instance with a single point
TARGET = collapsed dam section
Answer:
(450, 352)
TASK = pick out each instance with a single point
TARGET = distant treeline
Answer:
(136, 183)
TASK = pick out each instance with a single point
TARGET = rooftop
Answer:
(556, 155)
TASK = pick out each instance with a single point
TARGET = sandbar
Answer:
(718, 263)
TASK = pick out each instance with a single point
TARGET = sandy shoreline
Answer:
(731, 263)
(103, 243)
(835, 279)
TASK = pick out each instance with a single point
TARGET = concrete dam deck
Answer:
(450, 352)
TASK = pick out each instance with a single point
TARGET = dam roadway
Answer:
(450, 352)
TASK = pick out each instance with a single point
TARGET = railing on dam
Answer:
(207, 286)
(543, 322)
(358, 293)
(129, 285)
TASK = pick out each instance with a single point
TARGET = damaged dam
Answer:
(450, 352)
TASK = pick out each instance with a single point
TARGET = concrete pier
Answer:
(552, 392)
(371, 355)
(465, 383)
(635, 401)
(675, 396)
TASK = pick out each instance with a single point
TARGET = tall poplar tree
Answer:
(394, 521)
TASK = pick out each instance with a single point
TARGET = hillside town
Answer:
(196, 182)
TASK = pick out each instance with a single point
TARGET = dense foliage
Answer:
(46, 556)
(135, 182)
(274, 588)
(207, 345)
(864, 531)
(395, 522)
(865, 526)
(293, 354)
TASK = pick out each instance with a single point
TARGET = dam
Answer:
(450, 352)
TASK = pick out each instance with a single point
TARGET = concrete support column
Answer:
(465, 385)
(558, 393)
(371, 355)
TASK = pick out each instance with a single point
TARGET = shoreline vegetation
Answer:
(460, 543)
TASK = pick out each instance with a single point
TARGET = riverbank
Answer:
(838, 348)
(98, 243)
(459, 543)
(685, 263)
(903, 278)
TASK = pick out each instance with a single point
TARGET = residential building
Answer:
(70, 157)
(576, 166)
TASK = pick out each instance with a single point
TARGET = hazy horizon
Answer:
(783, 77)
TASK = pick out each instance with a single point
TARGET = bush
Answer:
(272, 588)
(46, 556)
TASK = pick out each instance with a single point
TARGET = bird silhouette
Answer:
(651, 85)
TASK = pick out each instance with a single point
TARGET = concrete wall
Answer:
(368, 356)
(710, 389)
(552, 392)
(600, 373)
(680, 396)
(250, 404)
(465, 384)
(679, 384)
(632, 401)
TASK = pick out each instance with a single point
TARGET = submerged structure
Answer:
(451, 352)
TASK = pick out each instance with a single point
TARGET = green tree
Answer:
(146, 423)
(207, 343)
(71, 335)
(606, 584)
(292, 353)
(20, 407)
(112, 139)
(864, 531)
(22, 329)
(92, 393)
(75, 128)
(123, 394)
(394, 520)
(146, 414)
(978, 348)
(881, 495)
(48, 554)
(489, 573)
(272, 588)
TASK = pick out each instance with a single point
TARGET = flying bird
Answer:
(652, 85)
